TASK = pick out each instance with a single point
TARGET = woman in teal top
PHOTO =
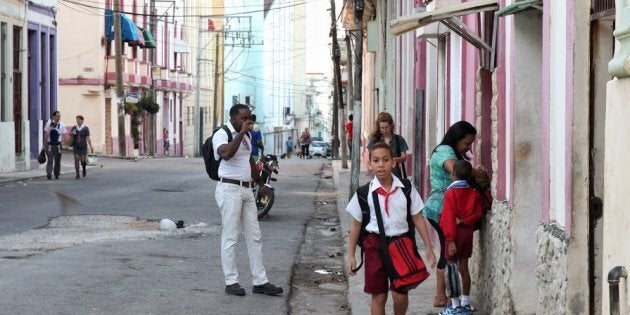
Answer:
(456, 142)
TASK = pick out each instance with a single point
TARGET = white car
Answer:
(318, 148)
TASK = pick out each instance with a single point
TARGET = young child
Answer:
(393, 204)
(461, 211)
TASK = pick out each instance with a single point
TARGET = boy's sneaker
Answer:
(460, 310)
(268, 289)
(235, 289)
(450, 310)
(467, 310)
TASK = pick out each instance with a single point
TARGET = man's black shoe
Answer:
(235, 289)
(268, 289)
(48, 176)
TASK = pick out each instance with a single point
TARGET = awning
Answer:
(180, 46)
(149, 41)
(520, 6)
(412, 21)
(130, 32)
(140, 41)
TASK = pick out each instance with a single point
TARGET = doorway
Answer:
(602, 50)
(17, 93)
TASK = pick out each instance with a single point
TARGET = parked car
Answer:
(318, 149)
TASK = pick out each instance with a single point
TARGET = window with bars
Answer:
(601, 8)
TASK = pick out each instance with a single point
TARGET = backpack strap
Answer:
(407, 190)
(229, 133)
(362, 196)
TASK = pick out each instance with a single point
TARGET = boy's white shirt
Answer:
(396, 222)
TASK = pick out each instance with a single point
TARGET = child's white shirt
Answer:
(396, 223)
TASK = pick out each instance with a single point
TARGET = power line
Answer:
(188, 15)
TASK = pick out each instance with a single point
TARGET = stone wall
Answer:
(491, 262)
(551, 266)
(492, 265)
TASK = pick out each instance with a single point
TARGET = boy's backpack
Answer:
(362, 196)
(207, 150)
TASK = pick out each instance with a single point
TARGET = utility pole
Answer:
(151, 52)
(350, 87)
(120, 92)
(338, 102)
(215, 117)
(358, 77)
(197, 115)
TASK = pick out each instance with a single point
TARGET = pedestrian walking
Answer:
(305, 142)
(54, 132)
(289, 146)
(394, 209)
(348, 128)
(81, 139)
(384, 132)
(166, 142)
(461, 211)
(235, 199)
(456, 143)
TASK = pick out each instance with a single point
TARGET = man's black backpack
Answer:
(212, 165)
(363, 195)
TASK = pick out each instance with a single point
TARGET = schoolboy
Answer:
(393, 204)
(461, 211)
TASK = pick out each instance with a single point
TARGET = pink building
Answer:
(536, 92)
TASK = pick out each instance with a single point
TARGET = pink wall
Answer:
(545, 113)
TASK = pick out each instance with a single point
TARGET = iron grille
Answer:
(601, 6)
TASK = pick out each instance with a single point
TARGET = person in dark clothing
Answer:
(81, 135)
(54, 131)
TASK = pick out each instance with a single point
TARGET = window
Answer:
(246, 100)
(234, 99)
(188, 116)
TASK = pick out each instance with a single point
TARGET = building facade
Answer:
(28, 79)
(547, 109)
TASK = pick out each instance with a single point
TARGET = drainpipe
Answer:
(613, 287)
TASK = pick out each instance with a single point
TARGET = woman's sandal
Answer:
(440, 301)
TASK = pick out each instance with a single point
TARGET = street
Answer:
(105, 253)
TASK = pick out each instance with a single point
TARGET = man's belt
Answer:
(247, 184)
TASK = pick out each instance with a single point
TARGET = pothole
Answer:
(66, 231)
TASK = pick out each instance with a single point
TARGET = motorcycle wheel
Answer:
(264, 204)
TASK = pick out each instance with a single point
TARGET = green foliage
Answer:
(136, 111)
(149, 105)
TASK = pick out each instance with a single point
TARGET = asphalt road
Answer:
(160, 274)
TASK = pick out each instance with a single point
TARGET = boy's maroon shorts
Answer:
(463, 242)
(376, 281)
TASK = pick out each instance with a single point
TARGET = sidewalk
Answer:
(67, 168)
(420, 299)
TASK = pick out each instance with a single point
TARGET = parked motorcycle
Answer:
(267, 165)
